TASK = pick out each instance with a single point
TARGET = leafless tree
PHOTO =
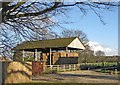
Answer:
(46, 34)
(22, 20)
(100, 53)
(75, 33)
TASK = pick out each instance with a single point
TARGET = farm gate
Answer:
(37, 68)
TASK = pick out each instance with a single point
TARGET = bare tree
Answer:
(75, 33)
(100, 53)
(22, 20)
(46, 34)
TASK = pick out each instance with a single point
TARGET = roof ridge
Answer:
(55, 43)
(60, 38)
(51, 39)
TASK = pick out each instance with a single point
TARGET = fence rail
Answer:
(59, 68)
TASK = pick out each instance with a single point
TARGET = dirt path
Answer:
(77, 77)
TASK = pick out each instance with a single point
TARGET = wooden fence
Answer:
(59, 68)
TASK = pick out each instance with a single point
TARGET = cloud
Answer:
(97, 46)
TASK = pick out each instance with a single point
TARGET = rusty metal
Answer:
(37, 68)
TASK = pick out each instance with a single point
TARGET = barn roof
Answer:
(51, 43)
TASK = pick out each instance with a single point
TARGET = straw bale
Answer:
(73, 54)
(63, 54)
(17, 78)
(19, 72)
(44, 58)
(55, 58)
(18, 66)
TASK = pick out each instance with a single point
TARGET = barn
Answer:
(53, 51)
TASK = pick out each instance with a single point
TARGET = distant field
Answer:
(101, 64)
(102, 67)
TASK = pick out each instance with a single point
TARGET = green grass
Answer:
(101, 64)
(107, 71)
(29, 59)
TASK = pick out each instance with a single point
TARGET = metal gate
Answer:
(37, 68)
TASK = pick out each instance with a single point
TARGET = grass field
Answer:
(100, 64)
(103, 67)
(108, 71)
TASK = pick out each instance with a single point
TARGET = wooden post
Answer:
(23, 54)
(115, 71)
(74, 67)
(50, 58)
(70, 67)
(64, 68)
(66, 51)
(57, 67)
(35, 54)
(78, 67)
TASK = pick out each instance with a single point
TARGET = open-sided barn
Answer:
(52, 51)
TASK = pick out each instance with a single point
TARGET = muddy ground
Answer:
(77, 77)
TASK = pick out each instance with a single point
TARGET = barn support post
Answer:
(35, 54)
(50, 59)
(23, 52)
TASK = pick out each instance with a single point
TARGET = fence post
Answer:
(115, 71)
(74, 67)
(78, 66)
(69, 67)
(51, 67)
(57, 67)
(64, 67)
(1, 73)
